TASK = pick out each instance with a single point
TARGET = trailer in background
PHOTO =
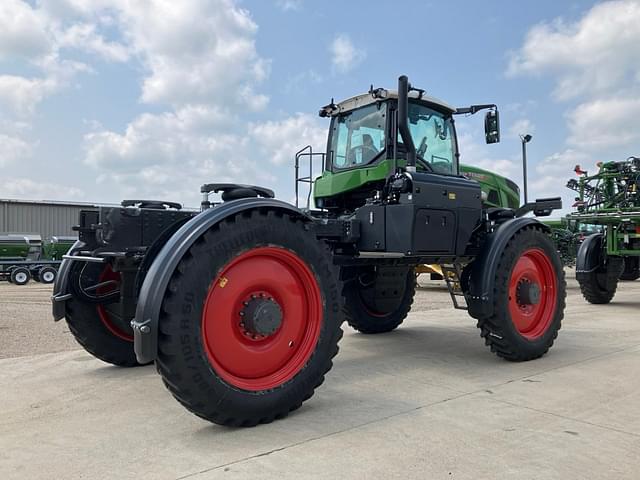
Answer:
(24, 256)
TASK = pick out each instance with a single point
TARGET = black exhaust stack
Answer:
(403, 121)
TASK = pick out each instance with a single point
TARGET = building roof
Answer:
(51, 202)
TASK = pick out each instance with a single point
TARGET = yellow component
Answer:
(223, 282)
(429, 269)
(452, 196)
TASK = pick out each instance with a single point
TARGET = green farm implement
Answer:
(609, 198)
(25, 256)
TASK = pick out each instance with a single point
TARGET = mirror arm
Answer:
(474, 109)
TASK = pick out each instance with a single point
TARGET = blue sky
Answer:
(101, 100)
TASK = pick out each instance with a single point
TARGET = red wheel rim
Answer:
(270, 360)
(533, 268)
(107, 275)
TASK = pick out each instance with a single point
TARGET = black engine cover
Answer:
(437, 217)
(126, 227)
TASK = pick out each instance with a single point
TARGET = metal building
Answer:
(46, 218)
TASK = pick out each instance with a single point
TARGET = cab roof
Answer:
(381, 95)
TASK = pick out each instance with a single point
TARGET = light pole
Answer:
(525, 139)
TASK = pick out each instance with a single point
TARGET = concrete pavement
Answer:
(426, 401)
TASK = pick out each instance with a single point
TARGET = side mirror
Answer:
(492, 126)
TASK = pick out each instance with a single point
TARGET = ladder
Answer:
(451, 274)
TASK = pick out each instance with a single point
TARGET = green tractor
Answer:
(240, 306)
(610, 199)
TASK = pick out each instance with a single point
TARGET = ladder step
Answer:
(451, 274)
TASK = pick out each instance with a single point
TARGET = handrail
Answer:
(305, 152)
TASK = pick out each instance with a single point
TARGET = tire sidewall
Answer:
(43, 271)
(191, 287)
(17, 271)
(362, 320)
(527, 346)
(91, 333)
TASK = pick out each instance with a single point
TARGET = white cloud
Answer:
(472, 152)
(20, 95)
(278, 140)
(23, 30)
(301, 82)
(520, 127)
(13, 149)
(201, 75)
(28, 188)
(85, 37)
(595, 62)
(196, 51)
(172, 138)
(605, 123)
(345, 55)
(289, 5)
(200, 59)
(561, 164)
(550, 176)
(592, 55)
(170, 154)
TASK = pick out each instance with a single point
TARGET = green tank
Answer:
(57, 246)
(20, 246)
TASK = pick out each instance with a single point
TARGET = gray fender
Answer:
(589, 256)
(145, 323)
(483, 269)
(61, 285)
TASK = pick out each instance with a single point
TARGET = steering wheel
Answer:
(441, 167)
(363, 148)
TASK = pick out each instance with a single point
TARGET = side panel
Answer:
(330, 183)
(483, 269)
(145, 323)
(434, 231)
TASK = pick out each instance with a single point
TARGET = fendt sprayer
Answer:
(610, 198)
(240, 306)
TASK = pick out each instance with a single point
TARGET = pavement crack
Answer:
(422, 407)
(327, 435)
(566, 417)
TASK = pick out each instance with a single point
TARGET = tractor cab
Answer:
(365, 144)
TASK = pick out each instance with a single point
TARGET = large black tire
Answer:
(94, 328)
(631, 270)
(381, 310)
(243, 264)
(20, 276)
(599, 285)
(46, 275)
(518, 330)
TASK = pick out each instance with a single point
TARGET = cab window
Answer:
(432, 135)
(358, 137)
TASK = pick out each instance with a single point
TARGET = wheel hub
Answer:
(533, 291)
(527, 293)
(261, 316)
